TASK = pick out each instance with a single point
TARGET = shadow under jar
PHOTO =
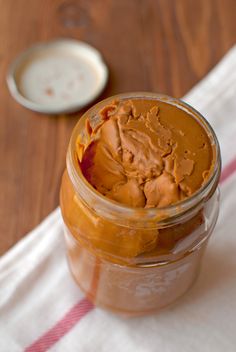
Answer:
(103, 237)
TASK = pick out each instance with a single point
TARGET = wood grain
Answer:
(154, 45)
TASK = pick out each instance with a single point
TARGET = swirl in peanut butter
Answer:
(146, 153)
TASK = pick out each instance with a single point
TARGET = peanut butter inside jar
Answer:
(139, 200)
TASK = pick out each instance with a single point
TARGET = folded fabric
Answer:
(41, 308)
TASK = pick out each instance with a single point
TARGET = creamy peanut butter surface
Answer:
(146, 153)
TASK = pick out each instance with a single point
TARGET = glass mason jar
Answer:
(103, 237)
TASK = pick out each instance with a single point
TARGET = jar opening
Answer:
(111, 209)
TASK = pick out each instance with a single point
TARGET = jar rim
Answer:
(106, 205)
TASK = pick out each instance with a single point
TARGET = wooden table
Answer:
(149, 45)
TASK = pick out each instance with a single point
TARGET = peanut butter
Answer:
(146, 153)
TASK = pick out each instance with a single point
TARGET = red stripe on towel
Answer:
(62, 327)
(228, 170)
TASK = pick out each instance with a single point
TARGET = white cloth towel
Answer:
(41, 308)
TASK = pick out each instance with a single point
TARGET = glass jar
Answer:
(103, 237)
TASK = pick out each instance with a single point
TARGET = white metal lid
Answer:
(61, 76)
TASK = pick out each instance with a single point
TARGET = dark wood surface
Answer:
(153, 45)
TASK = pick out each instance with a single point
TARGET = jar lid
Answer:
(61, 76)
